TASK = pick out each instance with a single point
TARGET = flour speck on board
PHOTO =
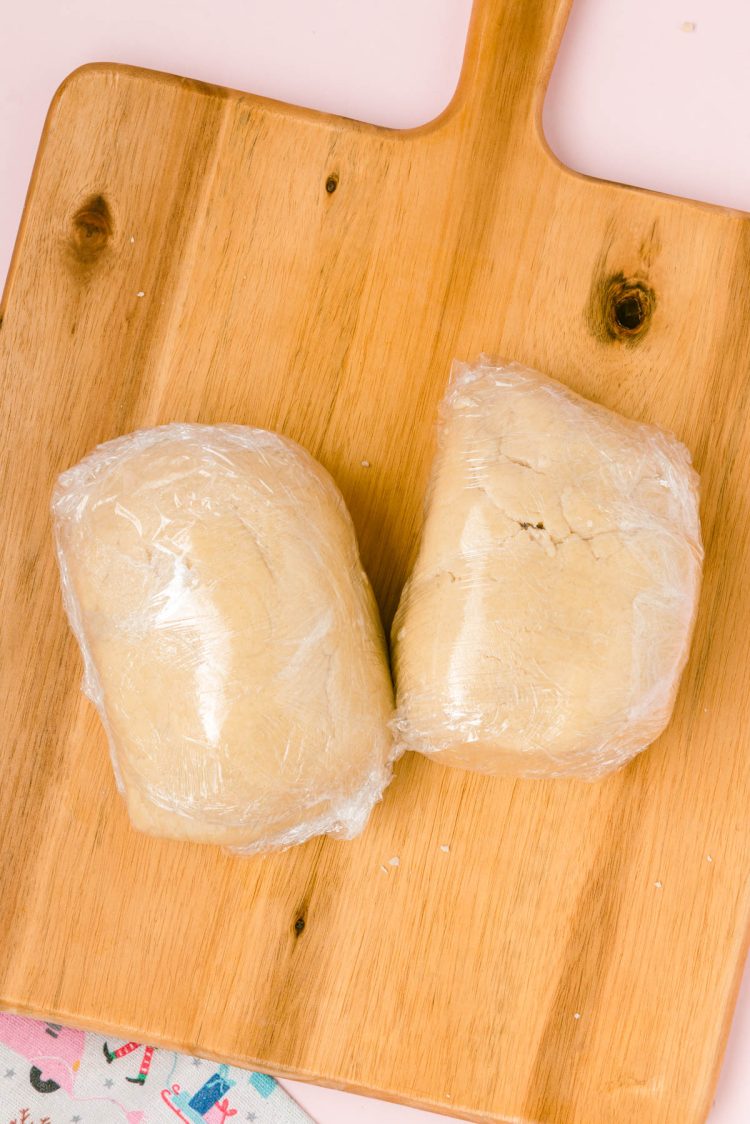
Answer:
(395, 861)
(445, 848)
(132, 239)
(709, 858)
(658, 885)
(140, 293)
(577, 1015)
(365, 464)
(384, 868)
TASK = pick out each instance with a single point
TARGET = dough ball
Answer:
(230, 637)
(548, 618)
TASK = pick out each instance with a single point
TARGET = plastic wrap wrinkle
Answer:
(548, 618)
(230, 638)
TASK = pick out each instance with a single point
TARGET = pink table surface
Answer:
(654, 94)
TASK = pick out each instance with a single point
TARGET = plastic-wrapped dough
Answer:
(230, 637)
(548, 618)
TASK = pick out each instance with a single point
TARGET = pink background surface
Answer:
(648, 94)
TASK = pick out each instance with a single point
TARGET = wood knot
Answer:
(332, 183)
(299, 926)
(91, 230)
(621, 309)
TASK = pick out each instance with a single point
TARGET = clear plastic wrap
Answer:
(230, 638)
(548, 618)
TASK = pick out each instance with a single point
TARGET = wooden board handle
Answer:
(510, 52)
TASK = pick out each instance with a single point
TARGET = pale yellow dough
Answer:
(231, 639)
(548, 618)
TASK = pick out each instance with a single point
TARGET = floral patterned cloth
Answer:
(52, 1074)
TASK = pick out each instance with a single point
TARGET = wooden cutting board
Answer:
(193, 253)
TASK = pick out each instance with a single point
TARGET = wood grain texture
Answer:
(453, 981)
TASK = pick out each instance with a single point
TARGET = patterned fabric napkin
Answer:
(52, 1074)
